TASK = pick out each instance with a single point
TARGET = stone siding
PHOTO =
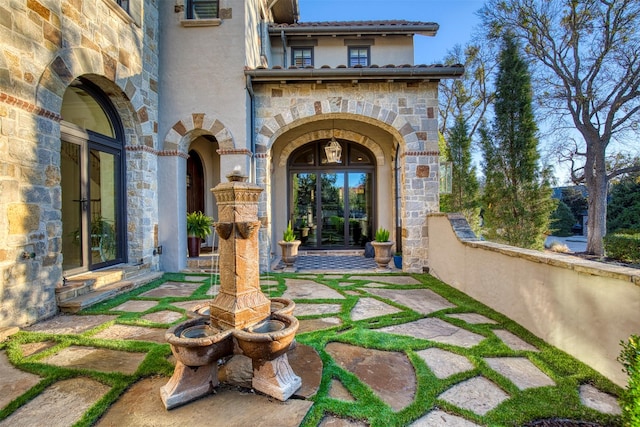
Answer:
(45, 46)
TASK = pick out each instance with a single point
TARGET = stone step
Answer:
(208, 263)
(99, 294)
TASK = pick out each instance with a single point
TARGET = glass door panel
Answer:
(104, 219)
(332, 209)
(304, 210)
(73, 204)
(360, 208)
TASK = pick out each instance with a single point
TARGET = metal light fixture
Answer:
(333, 150)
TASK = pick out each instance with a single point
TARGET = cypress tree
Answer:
(517, 197)
(464, 188)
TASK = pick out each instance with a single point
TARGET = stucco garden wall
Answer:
(584, 308)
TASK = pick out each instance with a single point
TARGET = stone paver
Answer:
(190, 305)
(135, 306)
(164, 316)
(316, 309)
(513, 342)
(520, 371)
(601, 402)
(69, 324)
(172, 289)
(128, 332)
(339, 391)
(478, 395)
(308, 289)
(310, 325)
(61, 404)
(32, 348)
(440, 418)
(396, 387)
(366, 308)
(195, 278)
(13, 382)
(435, 330)
(331, 421)
(141, 406)
(424, 301)
(443, 363)
(473, 318)
(395, 280)
(97, 359)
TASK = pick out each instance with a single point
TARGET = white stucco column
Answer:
(172, 212)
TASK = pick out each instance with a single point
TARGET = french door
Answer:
(92, 200)
(332, 209)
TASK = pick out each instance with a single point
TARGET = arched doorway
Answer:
(92, 180)
(331, 201)
(195, 183)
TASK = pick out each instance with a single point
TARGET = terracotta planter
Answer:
(289, 252)
(382, 253)
(193, 245)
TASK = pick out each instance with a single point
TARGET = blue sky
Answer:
(456, 18)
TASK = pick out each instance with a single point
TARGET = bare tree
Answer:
(470, 96)
(586, 59)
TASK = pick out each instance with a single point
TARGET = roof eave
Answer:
(416, 73)
(425, 30)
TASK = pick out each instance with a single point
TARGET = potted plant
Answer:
(198, 228)
(289, 246)
(382, 248)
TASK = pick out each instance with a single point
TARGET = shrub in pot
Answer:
(198, 228)
(289, 245)
(382, 248)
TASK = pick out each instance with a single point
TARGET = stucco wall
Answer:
(584, 308)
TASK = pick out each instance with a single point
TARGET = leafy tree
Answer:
(517, 197)
(575, 200)
(562, 220)
(586, 55)
(464, 187)
(624, 205)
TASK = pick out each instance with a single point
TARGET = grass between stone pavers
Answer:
(560, 401)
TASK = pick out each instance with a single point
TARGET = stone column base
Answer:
(189, 383)
(276, 378)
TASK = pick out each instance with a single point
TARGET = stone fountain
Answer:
(240, 318)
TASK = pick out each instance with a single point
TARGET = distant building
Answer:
(117, 117)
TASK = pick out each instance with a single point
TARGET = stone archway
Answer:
(175, 139)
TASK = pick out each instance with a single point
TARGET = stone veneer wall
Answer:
(44, 46)
(407, 111)
(582, 307)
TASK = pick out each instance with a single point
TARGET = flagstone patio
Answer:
(372, 350)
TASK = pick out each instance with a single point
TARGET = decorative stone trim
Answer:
(29, 107)
(244, 151)
(420, 153)
(172, 153)
(198, 121)
(141, 148)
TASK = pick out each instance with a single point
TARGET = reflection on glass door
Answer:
(103, 208)
(332, 209)
(72, 206)
(360, 208)
(304, 213)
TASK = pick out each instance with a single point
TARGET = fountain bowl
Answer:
(269, 338)
(196, 343)
(282, 306)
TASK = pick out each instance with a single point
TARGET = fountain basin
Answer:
(268, 339)
(196, 343)
(282, 306)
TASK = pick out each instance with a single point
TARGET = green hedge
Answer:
(623, 245)
(630, 399)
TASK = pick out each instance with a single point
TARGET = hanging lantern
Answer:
(333, 151)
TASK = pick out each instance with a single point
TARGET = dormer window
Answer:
(359, 56)
(302, 56)
(202, 9)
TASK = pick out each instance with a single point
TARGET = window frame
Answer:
(295, 49)
(367, 49)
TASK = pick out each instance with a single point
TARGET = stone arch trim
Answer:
(326, 134)
(349, 109)
(71, 63)
(200, 122)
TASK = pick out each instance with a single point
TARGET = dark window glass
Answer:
(358, 56)
(302, 56)
(123, 4)
(202, 9)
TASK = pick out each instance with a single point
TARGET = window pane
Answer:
(202, 9)
(81, 109)
(358, 56)
(302, 57)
